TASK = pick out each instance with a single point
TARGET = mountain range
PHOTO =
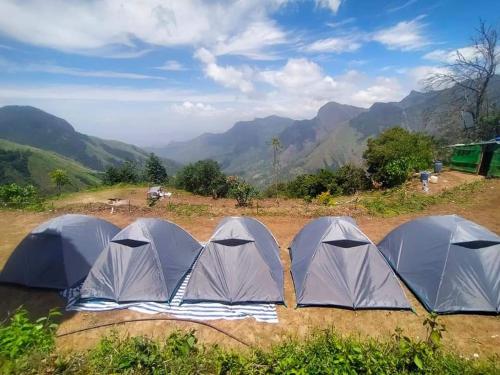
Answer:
(335, 136)
(34, 142)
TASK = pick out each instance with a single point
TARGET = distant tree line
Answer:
(391, 158)
(129, 172)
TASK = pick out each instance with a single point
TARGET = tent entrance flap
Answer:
(131, 242)
(346, 243)
(233, 241)
(479, 244)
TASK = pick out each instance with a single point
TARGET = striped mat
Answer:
(197, 311)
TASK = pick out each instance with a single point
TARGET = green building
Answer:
(480, 158)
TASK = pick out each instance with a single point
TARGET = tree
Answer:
(204, 178)
(277, 147)
(59, 177)
(155, 171)
(472, 71)
(395, 153)
(124, 173)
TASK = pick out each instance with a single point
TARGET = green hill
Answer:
(31, 126)
(25, 164)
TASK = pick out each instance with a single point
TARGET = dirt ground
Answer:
(466, 334)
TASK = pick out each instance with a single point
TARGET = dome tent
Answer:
(58, 253)
(146, 261)
(335, 264)
(239, 264)
(450, 263)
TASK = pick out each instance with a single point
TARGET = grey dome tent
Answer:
(239, 264)
(146, 261)
(58, 253)
(451, 264)
(335, 264)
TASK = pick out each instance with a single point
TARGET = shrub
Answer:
(23, 342)
(204, 178)
(325, 199)
(242, 191)
(127, 172)
(16, 196)
(311, 184)
(395, 153)
(349, 179)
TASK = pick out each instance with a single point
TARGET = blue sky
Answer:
(154, 71)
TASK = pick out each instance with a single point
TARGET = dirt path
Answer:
(466, 334)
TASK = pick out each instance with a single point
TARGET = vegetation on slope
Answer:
(29, 165)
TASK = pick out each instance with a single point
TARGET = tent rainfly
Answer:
(451, 264)
(239, 264)
(335, 264)
(146, 261)
(59, 253)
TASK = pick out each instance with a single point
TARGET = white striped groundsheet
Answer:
(195, 311)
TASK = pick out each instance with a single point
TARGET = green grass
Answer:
(323, 352)
(186, 209)
(399, 201)
(40, 163)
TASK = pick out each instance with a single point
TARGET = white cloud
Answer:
(347, 21)
(333, 5)
(402, 6)
(252, 42)
(188, 107)
(11, 67)
(128, 29)
(450, 56)
(406, 35)
(227, 76)
(336, 45)
(171, 65)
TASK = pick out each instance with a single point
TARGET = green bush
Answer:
(127, 173)
(22, 339)
(323, 352)
(395, 153)
(16, 196)
(242, 191)
(349, 179)
(204, 178)
(326, 199)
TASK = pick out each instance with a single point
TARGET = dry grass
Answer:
(466, 334)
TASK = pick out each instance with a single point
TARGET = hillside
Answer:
(336, 135)
(242, 150)
(34, 127)
(25, 164)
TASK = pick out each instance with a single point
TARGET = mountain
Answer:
(243, 150)
(25, 164)
(337, 135)
(34, 127)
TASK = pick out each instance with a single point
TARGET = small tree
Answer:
(155, 171)
(277, 147)
(59, 178)
(472, 72)
(204, 178)
(242, 191)
(395, 153)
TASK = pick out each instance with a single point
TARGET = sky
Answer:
(154, 71)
